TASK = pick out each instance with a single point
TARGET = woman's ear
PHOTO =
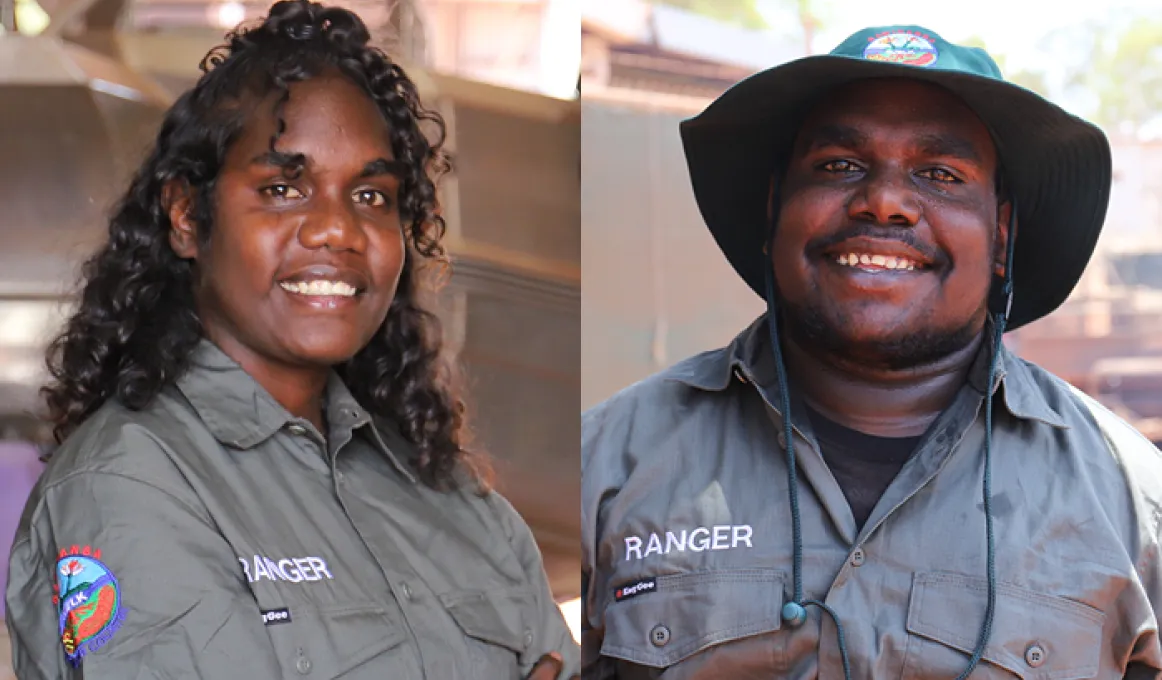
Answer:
(177, 198)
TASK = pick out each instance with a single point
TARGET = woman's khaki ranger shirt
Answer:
(687, 536)
(245, 547)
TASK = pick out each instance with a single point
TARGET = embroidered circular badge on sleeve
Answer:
(88, 600)
(902, 48)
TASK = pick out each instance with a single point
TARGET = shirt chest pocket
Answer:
(352, 642)
(498, 633)
(698, 625)
(1035, 636)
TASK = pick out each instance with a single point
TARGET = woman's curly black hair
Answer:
(137, 325)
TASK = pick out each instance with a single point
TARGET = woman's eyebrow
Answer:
(280, 159)
(295, 160)
(383, 166)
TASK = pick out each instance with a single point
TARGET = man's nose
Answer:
(887, 197)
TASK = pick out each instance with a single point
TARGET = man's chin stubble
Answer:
(811, 330)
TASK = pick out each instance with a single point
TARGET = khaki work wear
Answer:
(687, 551)
(244, 545)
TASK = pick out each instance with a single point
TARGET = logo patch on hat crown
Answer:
(89, 604)
(901, 47)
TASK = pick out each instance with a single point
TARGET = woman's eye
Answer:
(282, 191)
(939, 175)
(372, 198)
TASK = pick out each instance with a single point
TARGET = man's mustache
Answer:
(905, 235)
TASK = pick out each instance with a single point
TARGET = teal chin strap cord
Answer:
(1000, 304)
(794, 613)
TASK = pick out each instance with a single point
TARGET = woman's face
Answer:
(300, 268)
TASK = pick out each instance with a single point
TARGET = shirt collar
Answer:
(748, 358)
(233, 406)
(344, 413)
(241, 414)
(1021, 394)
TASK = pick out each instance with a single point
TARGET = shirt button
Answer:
(660, 635)
(857, 557)
(528, 638)
(1035, 655)
(296, 429)
(407, 592)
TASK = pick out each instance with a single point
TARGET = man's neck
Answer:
(875, 400)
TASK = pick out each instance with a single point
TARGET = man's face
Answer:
(889, 230)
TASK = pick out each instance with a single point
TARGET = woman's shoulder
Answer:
(117, 440)
(493, 510)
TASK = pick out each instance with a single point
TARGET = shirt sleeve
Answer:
(552, 632)
(126, 580)
(1141, 616)
(1137, 611)
(601, 436)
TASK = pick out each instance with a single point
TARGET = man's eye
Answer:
(282, 191)
(840, 166)
(939, 175)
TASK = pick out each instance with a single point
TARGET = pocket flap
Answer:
(686, 613)
(341, 638)
(498, 617)
(1061, 636)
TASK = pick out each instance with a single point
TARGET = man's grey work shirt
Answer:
(245, 545)
(687, 550)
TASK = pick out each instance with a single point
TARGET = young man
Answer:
(866, 483)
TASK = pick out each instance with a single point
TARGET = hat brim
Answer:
(1057, 166)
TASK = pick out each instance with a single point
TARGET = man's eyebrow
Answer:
(948, 145)
(383, 166)
(834, 134)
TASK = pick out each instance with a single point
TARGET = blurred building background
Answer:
(648, 65)
(83, 85)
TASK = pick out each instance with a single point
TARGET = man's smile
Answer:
(874, 263)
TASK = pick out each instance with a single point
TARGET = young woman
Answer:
(263, 471)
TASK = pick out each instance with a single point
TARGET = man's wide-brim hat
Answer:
(1057, 166)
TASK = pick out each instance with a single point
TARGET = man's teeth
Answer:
(334, 288)
(883, 261)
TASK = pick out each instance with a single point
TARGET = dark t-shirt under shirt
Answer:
(864, 465)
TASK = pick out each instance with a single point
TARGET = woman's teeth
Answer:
(882, 261)
(328, 288)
